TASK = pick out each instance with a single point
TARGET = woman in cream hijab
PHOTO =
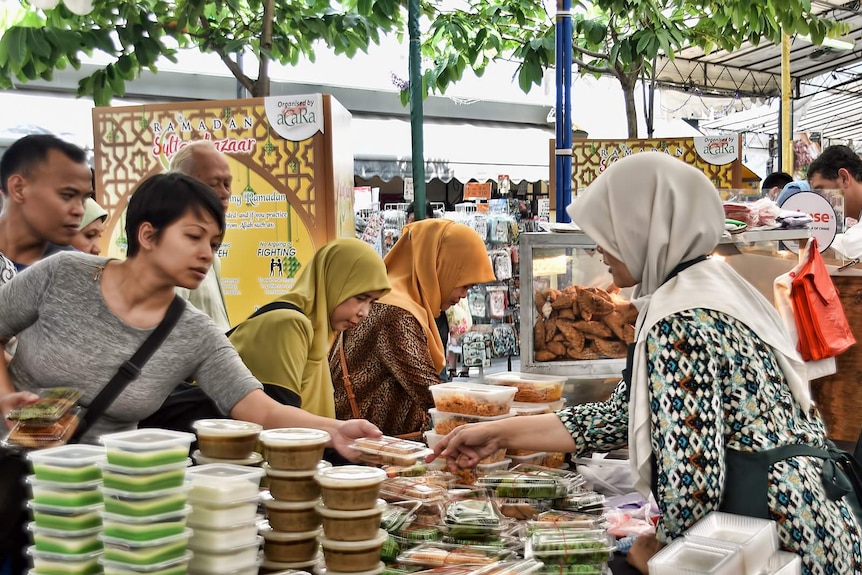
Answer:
(91, 228)
(286, 348)
(714, 379)
(395, 355)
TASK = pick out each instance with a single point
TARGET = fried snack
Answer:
(628, 311)
(594, 328)
(550, 329)
(566, 313)
(574, 337)
(539, 333)
(628, 333)
(545, 355)
(616, 323)
(562, 301)
(589, 351)
(557, 348)
(559, 336)
(610, 348)
(539, 300)
(594, 302)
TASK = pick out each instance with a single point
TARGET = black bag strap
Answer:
(271, 306)
(131, 369)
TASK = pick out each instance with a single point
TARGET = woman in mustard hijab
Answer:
(285, 348)
(396, 354)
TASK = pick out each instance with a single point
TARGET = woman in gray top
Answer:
(78, 317)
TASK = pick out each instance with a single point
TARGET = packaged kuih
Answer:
(533, 485)
(398, 514)
(39, 434)
(510, 567)
(574, 481)
(585, 502)
(443, 555)
(444, 422)
(147, 448)
(556, 519)
(571, 546)
(52, 404)
(471, 516)
(523, 507)
(473, 398)
(391, 451)
(532, 388)
(412, 488)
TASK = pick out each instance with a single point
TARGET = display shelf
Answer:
(756, 236)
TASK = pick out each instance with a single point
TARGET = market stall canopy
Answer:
(453, 150)
(756, 70)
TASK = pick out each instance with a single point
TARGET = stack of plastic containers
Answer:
(536, 394)
(458, 404)
(145, 493)
(351, 512)
(227, 441)
(292, 458)
(224, 503)
(66, 505)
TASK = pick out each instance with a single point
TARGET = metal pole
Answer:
(416, 110)
(786, 107)
(563, 152)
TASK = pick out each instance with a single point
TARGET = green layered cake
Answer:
(66, 567)
(146, 555)
(181, 569)
(143, 459)
(66, 497)
(63, 474)
(67, 522)
(67, 545)
(145, 507)
(144, 531)
(144, 482)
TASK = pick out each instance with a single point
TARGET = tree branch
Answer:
(590, 53)
(593, 68)
(234, 68)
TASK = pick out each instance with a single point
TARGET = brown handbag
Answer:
(351, 396)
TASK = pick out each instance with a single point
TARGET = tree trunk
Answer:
(627, 81)
(261, 85)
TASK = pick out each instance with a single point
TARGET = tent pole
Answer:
(563, 151)
(786, 107)
(416, 116)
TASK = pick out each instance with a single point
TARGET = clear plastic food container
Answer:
(223, 483)
(443, 555)
(293, 448)
(444, 422)
(226, 438)
(784, 563)
(289, 547)
(144, 480)
(564, 520)
(217, 539)
(33, 528)
(63, 564)
(353, 556)
(294, 485)
(414, 488)
(511, 567)
(146, 504)
(473, 398)
(686, 557)
(51, 517)
(252, 569)
(350, 487)
(377, 570)
(571, 546)
(516, 484)
(431, 438)
(144, 531)
(253, 460)
(532, 387)
(535, 458)
(488, 468)
(65, 495)
(65, 544)
(299, 568)
(391, 451)
(225, 560)
(222, 516)
(67, 463)
(167, 517)
(292, 516)
(146, 552)
(144, 448)
(351, 525)
(756, 538)
(176, 566)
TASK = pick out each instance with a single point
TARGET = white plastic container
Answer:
(217, 539)
(142, 448)
(687, 557)
(292, 516)
(248, 570)
(532, 387)
(293, 448)
(289, 547)
(353, 556)
(226, 438)
(784, 563)
(473, 398)
(225, 560)
(350, 487)
(294, 485)
(254, 460)
(220, 517)
(380, 568)
(757, 539)
(223, 484)
(444, 421)
(351, 525)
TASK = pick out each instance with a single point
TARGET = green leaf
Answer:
(39, 44)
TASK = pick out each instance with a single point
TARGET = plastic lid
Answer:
(390, 446)
(241, 570)
(147, 439)
(523, 408)
(271, 503)
(502, 464)
(337, 514)
(271, 535)
(33, 528)
(226, 550)
(77, 557)
(254, 459)
(350, 476)
(225, 427)
(512, 377)
(380, 539)
(62, 510)
(293, 436)
(146, 568)
(160, 518)
(277, 565)
(83, 486)
(295, 474)
(209, 527)
(121, 494)
(129, 544)
(376, 571)
(68, 455)
(152, 470)
(223, 473)
(435, 413)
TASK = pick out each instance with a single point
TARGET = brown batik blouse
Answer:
(390, 368)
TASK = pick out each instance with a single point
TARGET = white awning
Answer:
(452, 150)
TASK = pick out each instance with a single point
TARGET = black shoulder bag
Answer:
(13, 463)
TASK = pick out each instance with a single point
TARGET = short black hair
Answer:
(776, 180)
(28, 152)
(163, 199)
(429, 211)
(833, 159)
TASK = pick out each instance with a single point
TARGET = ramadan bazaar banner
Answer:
(292, 163)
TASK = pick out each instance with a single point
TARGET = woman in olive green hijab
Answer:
(286, 348)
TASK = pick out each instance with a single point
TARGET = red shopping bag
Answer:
(820, 320)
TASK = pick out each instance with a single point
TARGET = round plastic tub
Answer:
(289, 547)
(226, 438)
(353, 556)
(292, 516)
(350, 487)
(294, 485)
(293, 448)
(351, 525)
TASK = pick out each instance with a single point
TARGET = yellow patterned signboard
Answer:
(289, 197)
